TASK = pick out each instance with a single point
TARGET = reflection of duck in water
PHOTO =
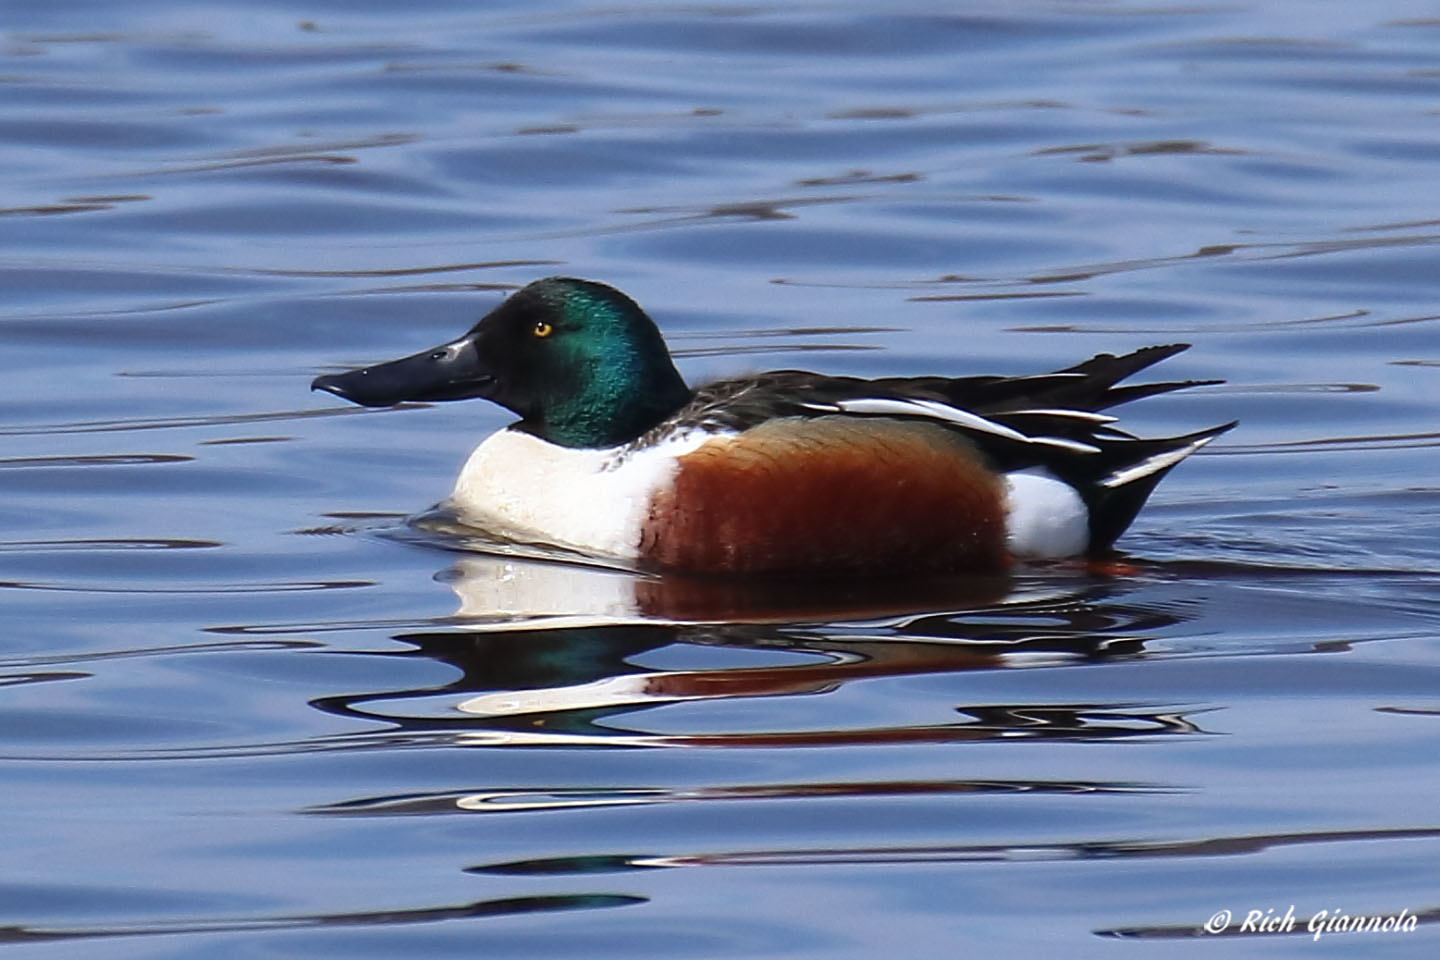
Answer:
(784, 472)
(571, 680)
(516, 593)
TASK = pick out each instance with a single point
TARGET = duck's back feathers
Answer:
(1051, 422)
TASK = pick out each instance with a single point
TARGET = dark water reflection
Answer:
(515, 906)
(579, 686)
(246, 709)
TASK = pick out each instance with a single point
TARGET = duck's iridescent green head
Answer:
(580, 362)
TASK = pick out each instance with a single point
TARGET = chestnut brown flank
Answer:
(830, 494)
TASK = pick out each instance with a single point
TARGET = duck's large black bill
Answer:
(449, 372)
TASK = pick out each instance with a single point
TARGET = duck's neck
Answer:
(616, 406)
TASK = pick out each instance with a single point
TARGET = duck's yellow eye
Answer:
(543, 329)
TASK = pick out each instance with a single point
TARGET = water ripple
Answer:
(519, 799)
(506, 907)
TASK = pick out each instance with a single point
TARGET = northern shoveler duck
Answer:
(786, 472)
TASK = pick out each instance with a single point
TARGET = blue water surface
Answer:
(247, 710)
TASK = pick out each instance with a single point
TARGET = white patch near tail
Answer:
(1046, 518)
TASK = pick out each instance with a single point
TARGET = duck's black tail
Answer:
(1115, 481)
(1137, 466)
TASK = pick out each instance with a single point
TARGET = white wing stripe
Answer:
(1075, 446)
(1152, 464)
(930, 408)
(964, 418)
(1085, 415)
